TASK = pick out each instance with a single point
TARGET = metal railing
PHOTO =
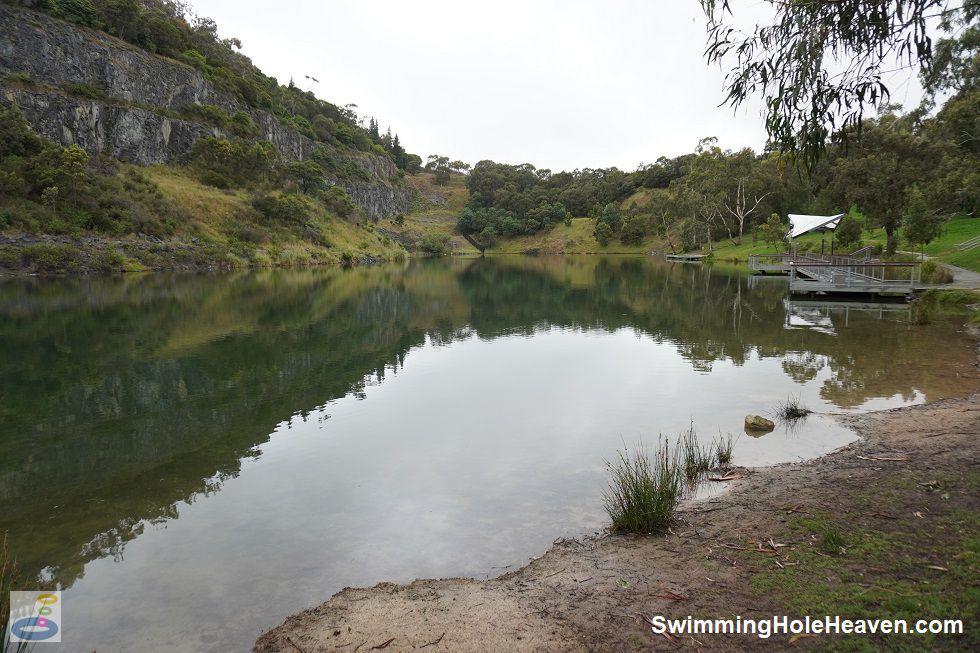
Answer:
(846, 272)
(967, 244)
(864, 253)
(770, 261)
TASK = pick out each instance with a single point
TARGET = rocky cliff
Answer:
(51, 69)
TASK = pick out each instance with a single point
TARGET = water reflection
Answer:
(125, 403)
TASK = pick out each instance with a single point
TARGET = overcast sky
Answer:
(562, 85)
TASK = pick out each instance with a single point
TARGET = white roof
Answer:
(801, 224)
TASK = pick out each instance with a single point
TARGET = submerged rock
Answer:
(758, 423)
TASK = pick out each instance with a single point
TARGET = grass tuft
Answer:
(643, 491)
(832, 540)
(724, 446)
(695, 459)
(792, 409)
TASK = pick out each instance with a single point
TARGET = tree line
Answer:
(900, 168)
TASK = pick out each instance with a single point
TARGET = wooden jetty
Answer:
(686, 258)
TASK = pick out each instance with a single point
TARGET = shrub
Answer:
(49, 257)
(9, 258)
(337, 201)
(109, 260)
(848, 232)
(285, 208)
(207, 112)
(438, 244)
(643, 492)
(633, 230)
(249, 234)
(603, 233)
(216, 179)
(933, 273)
(242, 125)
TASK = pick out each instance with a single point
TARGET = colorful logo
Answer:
(35, 617)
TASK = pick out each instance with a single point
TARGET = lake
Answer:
(191, 458)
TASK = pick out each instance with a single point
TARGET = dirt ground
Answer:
(905, 498)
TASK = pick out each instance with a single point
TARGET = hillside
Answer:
(437, 209)
(196, 157)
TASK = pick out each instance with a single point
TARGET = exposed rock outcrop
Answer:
(135, 120)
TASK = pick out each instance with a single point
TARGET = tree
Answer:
(603, 233)
(848, 232)
(307, 175)
(744, 183)
(60, 167)
(875, 172)
(820, 66)
(633, 230)
(488, 236)
(120, 17)
(774, 231)
(611, 216)
(921, 226)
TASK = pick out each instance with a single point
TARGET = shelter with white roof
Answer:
(803, 224)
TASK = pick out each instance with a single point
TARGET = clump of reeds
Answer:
(724, 446)
(643, 490)
(792, 409)
(695, 459)
(8, 578)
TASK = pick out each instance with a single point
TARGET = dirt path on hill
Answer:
(911, 478)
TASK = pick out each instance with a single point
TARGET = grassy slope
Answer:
(218, 228)
(440, 206)
(435, 211)
(956, 231)
(219, 215)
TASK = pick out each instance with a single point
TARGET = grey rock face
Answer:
(141, 88)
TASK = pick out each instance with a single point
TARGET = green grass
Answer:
(724, 447)
(859, 565)
(695, 459)
(643, 490)
(956, 230)
(859, 574)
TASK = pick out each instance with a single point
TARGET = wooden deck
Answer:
(686, 258)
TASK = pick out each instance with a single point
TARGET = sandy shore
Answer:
(593, 594)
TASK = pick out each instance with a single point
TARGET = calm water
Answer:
(192, 458)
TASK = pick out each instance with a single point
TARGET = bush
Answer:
(84, 90)
(633, 230)
(643, 492)
(337, 201)
(933, 273)
(284, 208)
(603, 233)
(109, 260)
(438, 244)
(848, 232)
(50, 257)
(242, 125)
(249, 234)
(216, 179)
(208, 113)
